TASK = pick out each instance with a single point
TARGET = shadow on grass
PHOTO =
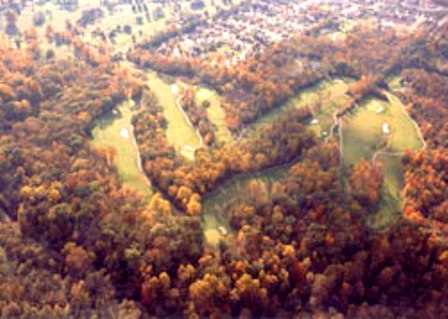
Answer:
(386, 212)
(109, 120)
(216, 206)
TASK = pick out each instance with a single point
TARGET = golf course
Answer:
(324, 98)
(215, 112)
(378, 130)
(115, 131)
(381, 130)
(179, 131)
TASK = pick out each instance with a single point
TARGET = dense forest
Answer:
(76, 243)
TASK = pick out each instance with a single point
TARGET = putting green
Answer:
(364, 131)
(216, 113)
(179, 132)
(114, 130)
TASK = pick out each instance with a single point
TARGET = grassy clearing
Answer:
(406, 135)
(326, 97)
(217, 205)
(349, 25)
(363, 135)
(53, 15)
(390, 194)
(178, 131)
(121, 16)
(216, 113)
(109, 132)
(394, 82)
(363, 130)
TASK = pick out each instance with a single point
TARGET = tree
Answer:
(207, 294)
(365, 182)
(11, 20)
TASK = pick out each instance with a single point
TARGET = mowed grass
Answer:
(124, 15)
(328, 96)
(394, 82)
(390, 200)
(121, 16)
(56, 18)
(363, 135)
(216, 207)
(325, 98)
(107, 133)
(363, 130)
(178, 130)
(216, 113)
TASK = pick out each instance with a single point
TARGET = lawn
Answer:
(363, 135)
(216, 113)
(390, 194)
(363, 130)
(178, 130)
(111, 131)
(394, 82)
(330, 95)
(216, 206)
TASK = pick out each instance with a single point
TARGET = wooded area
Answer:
(76, 243)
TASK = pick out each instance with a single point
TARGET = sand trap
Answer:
(380, 109)
(222, 230)
(188, 148)
(174, 89)
(375, 107)
(124, 133)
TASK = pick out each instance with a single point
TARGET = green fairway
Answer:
(216, 113)
(115, 131)
(215, 207)
(405, 133)
(390, 193)
(362, 135)
(381, 125)
(363, 130)
(324, 98)
(394, 82)
(121, 15)
(179, 132)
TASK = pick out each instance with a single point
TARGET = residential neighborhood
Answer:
(257, 24)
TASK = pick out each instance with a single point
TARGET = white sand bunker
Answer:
(174, 89)
(223, 230)
(380, 109)
(376, 107)
(188, 148)
(124, 133)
